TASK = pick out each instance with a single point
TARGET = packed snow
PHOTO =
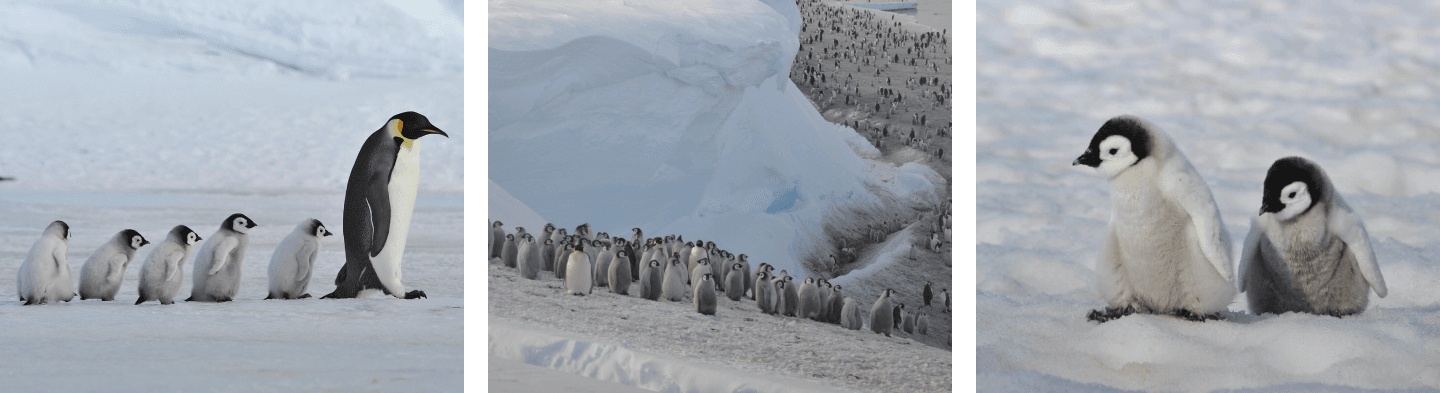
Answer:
(146, 115)
(1237, 86)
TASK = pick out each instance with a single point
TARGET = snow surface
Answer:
(1237, 86)
(145, 115)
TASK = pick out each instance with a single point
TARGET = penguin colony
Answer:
(380, 198)
(671, 278)
(1166, 250)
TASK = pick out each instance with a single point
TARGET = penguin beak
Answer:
(327, 232)
(1090, 159)
(1270, 207)
(251, 224)
(198, 238)
(143, 242)
(437, 131)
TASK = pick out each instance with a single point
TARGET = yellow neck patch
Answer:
(395, 126)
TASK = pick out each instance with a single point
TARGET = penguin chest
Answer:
(1317, 265)
(404, 181)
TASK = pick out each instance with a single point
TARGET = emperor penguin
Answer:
(101, 276)
(379, 200)
(651, 280)
(837, 302)
(691, 255)
(620, 274)
(217, 266)
(164, 269)
(881, 318)
(528, 258)
(562, 258)
(701, 267)
(579, 281)
(602, 264)
(764, 292)
(583, 231)
(791, 293)
(592, 249)
(1307, 251)
(809, 295)
(630, 257)
(545, 233)
(909, 322)
(637, 238)
(547, 255)
(649, 252)
(749, 284)
(899, 314)
(672, 287)
(1166, 250)
(497, 238)
(850, 315)
(922, 324)
(44, 277)
(510, 255)
(293, 262)
(559, 238)
(705, 294)
(945, 298)
(926, 294)
(735, 283)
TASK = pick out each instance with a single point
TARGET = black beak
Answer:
(437, 131)
(198, 238)
(1269, 207)
(1090, 159)
(251, 224)
(144, 242)
(327, 232)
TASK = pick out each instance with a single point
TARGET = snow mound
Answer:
(511, 212)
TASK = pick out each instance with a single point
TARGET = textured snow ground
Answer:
(1237, 85)
(146, 115)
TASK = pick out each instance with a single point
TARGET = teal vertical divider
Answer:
(962, 190)
(477, 196)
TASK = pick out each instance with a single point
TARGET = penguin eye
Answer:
(1292, 194)
(1113, 151)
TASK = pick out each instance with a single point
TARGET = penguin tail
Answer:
(140, 300)
(270, 296)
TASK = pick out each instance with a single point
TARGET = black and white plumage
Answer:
(790, 296)
(547, 255)
(927, 294)
(528, 258)
(837, 304)
(510, 254)
(765, 292)
(672, 288)
(216, 277)
(497, 238)
(809, 296)
(735, 282)
(1166, 249)
(1307, 251)
(579, 279)
(850, 315)
(293, 262)
(379, 201)
(44, 277)
(103, 272)
(164, 268)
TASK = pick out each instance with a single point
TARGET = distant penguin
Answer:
(620, 274)
(749, 284)
(945, 294)
(592, 249)
(293, 262)
(850, 315)
(579, 280)
(908, 324)
(497, 239)
(545, 234)
(44, 277)
(379, 202)
(673, 286)
(637, 238)
(633, 258)
(691, 255)
(652, 277)
(583, 231)
(922, 324)
(559, 238)
(649, 253)
(1166, 250)
(735, 283)
(765, 292)
(701, 267)
(705, 294)
(562, 258)
(837, 301)
(791, 294)
(529, 258)
(899, 314)
(809, 295)
(510, 256)
(602, 265)
(781, 307)
(164, 269)
(882, 317)
(101, 276)
(1307, 251)
(217, 266)
(547, 255)
(927, 294)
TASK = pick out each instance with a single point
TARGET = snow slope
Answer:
(1237, 86)
(675, 118)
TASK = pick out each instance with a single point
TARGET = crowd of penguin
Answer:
(699, 271)
(894, 61)
(1166, 250)
(44, 276)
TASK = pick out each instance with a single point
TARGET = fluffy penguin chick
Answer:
(602, 265)
(547, 255)
(1307, 251)
(882, 319)
(164, 269)
(578, 278)
(705, 294)
(673, 287)
(101, 276)
(922, 324)
(837, 303)
(529, 258)
(217, 266)
(1166, 250)
(511, 253)
(294, 260)
(651, 280)
(850, 315)
(44, 277)
(620, 274)
(909, 322)
(735, 283)
(791, 295)
(497, 239)
(765, 292)
(809, 299)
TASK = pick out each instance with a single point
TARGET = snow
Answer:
(1237, 86)
(145, 115)
(885, 6)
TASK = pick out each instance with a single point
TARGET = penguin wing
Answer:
(1250, 251)
(1347, 226)
(304, 260)
(1181, 184)
(117, 263)
(377, 203)
(172, 264)
(222, 254)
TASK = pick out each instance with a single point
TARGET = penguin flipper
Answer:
(1183, 185)
(117, 265)
(1250, 251)
(303, 261)
(222, 254)
(377, 203)
(1347, 226)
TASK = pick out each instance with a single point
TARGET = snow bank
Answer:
(675, 118)
(512, 212)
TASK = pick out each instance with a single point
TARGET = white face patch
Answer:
(319, 231)
(1296, 198)
(1115, 156)
(239, 225)
(190, 238)
(135, 242)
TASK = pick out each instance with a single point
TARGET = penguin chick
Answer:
(651, 280)
(673, 287)
(922, 324)
(511, 254)
(497, 239)
(44, 277)
(1307, 251)
(101, 276)
(765, 292)
(850, 315)
(547, 255)
(603, 262)
(790, 294)
(881, 318)
(528, 258)
(620, 274)
(164, 269)
(1166, 249)
(217, 266)
(909, 322)
(809, 296)
(294, 260)
(837, 304)
(735, 285)
(705, 294)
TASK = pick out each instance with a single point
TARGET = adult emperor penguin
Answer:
(579, 280)
(704, 295)
(379, 199)
(497, 238)
(619, 273)
(850, 315)
(101, 276)
(672, 288)
(164, 269)
(44, 277)
(651, 280)
(1307, 251)
(1166, 250)
(735, 282)
(217, 266)
(293, 262)
(881, 317)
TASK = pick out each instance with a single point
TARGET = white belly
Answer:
(404, 180)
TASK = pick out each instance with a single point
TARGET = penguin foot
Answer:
(1193, 317)
(307, 296)
(415, 294)
(1109, 314)
(222, 299)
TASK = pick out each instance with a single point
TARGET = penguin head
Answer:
(580, 246)
(744, 258)
(59, 229)
(736, 267)
(621, 254)
(239, 223)
(317, 229)
(408, 126)
(184, 235)
(654, 263)
(837, 288)
(549, 227)
(636, 230)
(703, 261)
(809, 281)
(1292, 186)
(497, 224)
(1121, 142)
(133, 239)
(562, 232)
